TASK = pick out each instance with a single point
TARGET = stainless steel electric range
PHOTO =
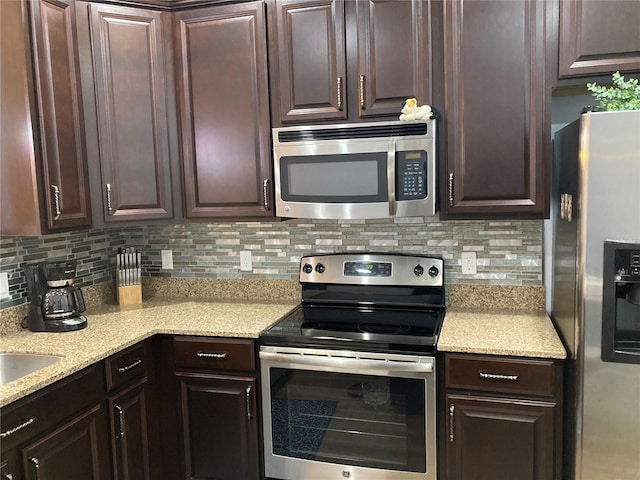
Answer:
(348, 377)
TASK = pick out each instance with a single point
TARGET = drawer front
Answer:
(501, 375)
(216, 354)
(40, 411)
(127, 366)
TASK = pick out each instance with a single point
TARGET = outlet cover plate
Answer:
(469, 263)
(245, 261)
(167, 259)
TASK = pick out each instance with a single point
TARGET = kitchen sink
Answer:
(16, 365)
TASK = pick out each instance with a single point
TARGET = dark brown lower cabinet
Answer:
(502, 418)
(129, 433)
(219, 426)
(499, 439)
(74, 451)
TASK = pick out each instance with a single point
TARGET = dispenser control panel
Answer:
(627, 265)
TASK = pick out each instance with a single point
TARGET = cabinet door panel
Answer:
(62, 138)
(311, 60)
(394, 55)
(496, 110)
(219, 426)
(129, 427)
(223, 100)
(599, 37)
(74, 451)
(131, 96)
(499, 439)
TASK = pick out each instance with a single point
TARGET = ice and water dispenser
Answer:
(621, 303)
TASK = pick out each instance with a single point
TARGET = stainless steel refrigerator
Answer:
(595, 291)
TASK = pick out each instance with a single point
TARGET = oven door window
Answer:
(347, 178)
(360, 420)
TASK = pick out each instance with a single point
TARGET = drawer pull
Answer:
(211, 355)
(19, 427)
(7, 476)
(498, 376)
(129, 367)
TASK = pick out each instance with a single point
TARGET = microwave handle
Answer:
(391, 177)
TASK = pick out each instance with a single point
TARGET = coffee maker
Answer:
(56, 305)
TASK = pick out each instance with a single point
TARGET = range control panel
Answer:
(373, 269)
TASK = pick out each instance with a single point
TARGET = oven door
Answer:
(335, 414)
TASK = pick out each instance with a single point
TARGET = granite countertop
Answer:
(112, 328)
(500, 332)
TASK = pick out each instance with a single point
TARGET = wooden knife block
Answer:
(129, 295)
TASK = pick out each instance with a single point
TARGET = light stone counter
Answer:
(500, 332)
(112, 328)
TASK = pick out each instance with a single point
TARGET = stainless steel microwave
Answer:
(350, 171)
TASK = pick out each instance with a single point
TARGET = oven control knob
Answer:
(433, 272)
(307, 268)
(418, 270)
(320, 268)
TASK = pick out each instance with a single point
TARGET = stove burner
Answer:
(383, 328)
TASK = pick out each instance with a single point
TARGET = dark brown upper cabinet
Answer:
(61, 122)
(337, 60)
(133, 178)
(222, 85)
(598, 37)
(496, 110)
(44, 157)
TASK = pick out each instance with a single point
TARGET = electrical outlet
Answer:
(469, 263)
(167, 259)
(4, 285)
(245, 261)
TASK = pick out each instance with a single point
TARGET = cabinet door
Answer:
(499, 439)
(224, 111)
(599, 37)
(308, 60)
(61, 121)
(496, 110)
(75, 451)
(129, 433)
(131, 90)
(219, 427)
(394, 55)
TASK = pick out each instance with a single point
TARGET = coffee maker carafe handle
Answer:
(79, 299)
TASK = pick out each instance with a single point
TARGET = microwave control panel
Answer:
(411, 174)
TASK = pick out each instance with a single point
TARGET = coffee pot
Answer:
(56, 305)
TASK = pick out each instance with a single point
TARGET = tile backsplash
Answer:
(508, 252)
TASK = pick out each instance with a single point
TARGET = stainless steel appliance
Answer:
(365, 170)
(56, 305)
(348, 377)
(595, 227)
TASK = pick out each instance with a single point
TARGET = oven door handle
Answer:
(342, 363)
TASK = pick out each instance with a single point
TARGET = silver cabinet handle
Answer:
(265, 193)
(391, 177)
(109, 209)
(249, 412)
(498, 376)
(452, 410)
(211, 355)
(339, 88)
(451, 189)
(7, 476)
(361, 92)
(36, 467)
(56, 200)
(18, 428)
(129, 367)
(120, 413)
